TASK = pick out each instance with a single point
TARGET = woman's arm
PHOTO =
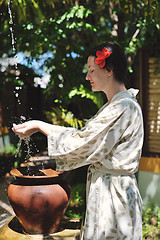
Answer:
(28, 128)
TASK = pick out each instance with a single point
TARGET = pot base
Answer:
(12, 230)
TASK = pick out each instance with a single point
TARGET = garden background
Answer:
(43, 51)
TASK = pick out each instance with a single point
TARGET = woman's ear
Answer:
(109, 72)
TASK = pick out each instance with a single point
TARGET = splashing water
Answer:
(17, 88)
(11, 28)
(29, 170)
(11, 23)
(26, 141)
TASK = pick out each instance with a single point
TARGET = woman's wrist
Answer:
(42, 127)
(37, 125)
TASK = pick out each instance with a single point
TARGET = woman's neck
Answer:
(113, 90)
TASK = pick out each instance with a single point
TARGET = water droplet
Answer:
(23, 118)
(14, 50)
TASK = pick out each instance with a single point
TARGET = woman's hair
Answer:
(116, 62)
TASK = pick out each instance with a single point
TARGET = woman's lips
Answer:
(91, 83)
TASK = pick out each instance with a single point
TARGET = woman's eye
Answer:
(92, 71)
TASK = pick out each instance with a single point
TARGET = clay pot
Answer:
(39, 202)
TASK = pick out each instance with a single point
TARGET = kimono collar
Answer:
(132, 92)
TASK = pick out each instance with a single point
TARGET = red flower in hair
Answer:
(101, 56)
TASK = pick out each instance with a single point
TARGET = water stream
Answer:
(13, 42)
(27, 140)
(11, 28)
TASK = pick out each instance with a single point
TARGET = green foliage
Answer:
(151, 222)
(10, 150)
(78, 194)
(75, 11)
(76, 207)
(60, 116)
(8, 159)
(83, 92)
(16, 164)
(69, 29)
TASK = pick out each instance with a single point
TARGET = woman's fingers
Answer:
(20, 129)
(19, 126)
(25, 129)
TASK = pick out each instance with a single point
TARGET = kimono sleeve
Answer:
(74, 148)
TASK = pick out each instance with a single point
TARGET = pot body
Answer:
(39, 204)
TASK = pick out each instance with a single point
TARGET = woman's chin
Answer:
(94, 89)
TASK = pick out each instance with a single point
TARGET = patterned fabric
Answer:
(111, 143)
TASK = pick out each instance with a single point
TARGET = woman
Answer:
(111, 143)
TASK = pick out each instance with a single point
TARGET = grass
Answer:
(151, 222)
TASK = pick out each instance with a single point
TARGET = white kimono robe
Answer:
(111, 143)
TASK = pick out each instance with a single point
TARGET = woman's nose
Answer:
(87, 77)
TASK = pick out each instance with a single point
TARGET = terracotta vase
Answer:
(39, 202)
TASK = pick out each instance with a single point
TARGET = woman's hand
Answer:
(26, 129)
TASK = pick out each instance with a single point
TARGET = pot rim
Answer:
(16, 173)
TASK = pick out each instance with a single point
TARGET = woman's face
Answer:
(98, 77)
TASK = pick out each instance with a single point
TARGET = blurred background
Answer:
(43, 52)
